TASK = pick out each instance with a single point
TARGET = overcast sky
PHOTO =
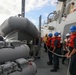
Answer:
(33, 9)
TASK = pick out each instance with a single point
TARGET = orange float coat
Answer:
(71, 42)
(53, 40)
(49, 40)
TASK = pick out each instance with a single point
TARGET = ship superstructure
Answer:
(62, 18)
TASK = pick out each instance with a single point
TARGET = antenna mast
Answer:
(23, 8)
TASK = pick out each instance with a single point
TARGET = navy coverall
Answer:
(56, 58)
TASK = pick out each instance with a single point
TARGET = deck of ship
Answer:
(44, 69)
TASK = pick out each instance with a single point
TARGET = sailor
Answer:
(48, 43)
(35, 47)
(59, 36)
(65, 46)
(72, 53)
(56, 49)
(61, 43)
(45, 39)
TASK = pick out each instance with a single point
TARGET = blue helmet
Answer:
(50, 35)
(72, 28)
(56, 34)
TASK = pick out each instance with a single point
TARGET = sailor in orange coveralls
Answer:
(65, 46)
(56, 48)
(72, 53)
(48, 43)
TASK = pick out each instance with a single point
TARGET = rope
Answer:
(56, 53)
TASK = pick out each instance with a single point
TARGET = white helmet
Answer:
(67, 34)
(59, 31)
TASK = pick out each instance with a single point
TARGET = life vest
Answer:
(52, 44)
(45, 39)
(53, 40)
(67, 41)
(71, 42)
(60, 39)
(48, 43)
